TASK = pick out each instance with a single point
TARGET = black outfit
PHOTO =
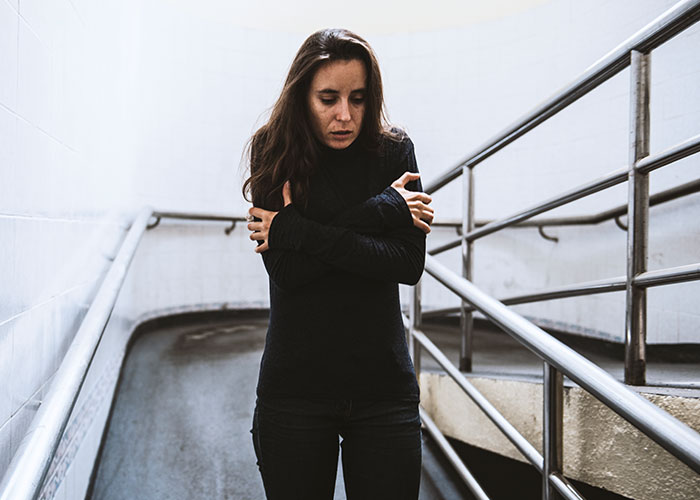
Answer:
(335, 358)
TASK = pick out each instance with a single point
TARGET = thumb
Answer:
(287, 193)
(404, 179)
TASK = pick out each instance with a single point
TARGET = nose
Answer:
(343, 112)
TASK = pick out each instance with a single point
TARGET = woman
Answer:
(339, 221)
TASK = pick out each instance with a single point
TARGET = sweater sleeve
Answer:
(394, 255)
(291, 269)
(398, 255)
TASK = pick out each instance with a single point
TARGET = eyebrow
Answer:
(333, 91)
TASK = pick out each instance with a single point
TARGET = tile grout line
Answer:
(47, 301)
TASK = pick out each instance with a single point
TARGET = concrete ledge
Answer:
(600, 448)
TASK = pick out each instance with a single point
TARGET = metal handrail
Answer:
(523, 218)
(679, 274)
(663, 28)
(634, 52)
(452, 456)
(670, 433)
(509, 431)
(30, 464)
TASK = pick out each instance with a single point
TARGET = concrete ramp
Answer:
(180, 423)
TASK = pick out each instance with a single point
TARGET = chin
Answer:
(335, 144)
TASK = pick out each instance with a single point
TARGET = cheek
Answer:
(360, 114)
(317, 117)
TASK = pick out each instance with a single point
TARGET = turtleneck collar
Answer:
(332, 153)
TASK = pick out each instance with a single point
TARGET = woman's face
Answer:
(337, 102)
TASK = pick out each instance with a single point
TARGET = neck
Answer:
(334, 153)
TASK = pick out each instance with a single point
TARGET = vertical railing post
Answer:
(415, 316)
(466, 318)
(552, 431)
(638, 221)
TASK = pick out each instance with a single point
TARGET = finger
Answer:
(261, 248)
(405, 178)
(258, 212)
(421, 225)
(428, 217)
(287, 193)
(419, 206)
(416, 197)
(255, 226)
(258, 235)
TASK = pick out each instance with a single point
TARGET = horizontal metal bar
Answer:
(609, 180)
(690, 272)
(443, 311)
(198, 216)
(669, 432)
(576, 290)
(564, 487)
(522, 444)
(30, 464)
(670, 155)
(655, 199)
(664, 27)
(679, 274)
(452, 456)
(446, 246)
(607, 285)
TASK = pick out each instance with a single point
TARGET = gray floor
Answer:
(180, 424)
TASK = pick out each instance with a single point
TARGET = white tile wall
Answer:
(9, 25)
(6, 356)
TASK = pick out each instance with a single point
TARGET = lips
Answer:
(342, 133)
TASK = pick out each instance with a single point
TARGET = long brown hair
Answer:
(285, 148)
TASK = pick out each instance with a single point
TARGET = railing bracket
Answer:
(230, 229)
(154, 224)
(620, 224)
(540, 229)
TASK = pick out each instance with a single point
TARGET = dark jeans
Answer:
(296, 443)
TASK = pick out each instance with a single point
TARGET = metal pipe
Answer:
(576, 290)
(522, 444)
(466, 319)
(564, 487)
(609, 180)
(447, 246)
(661, 29)
(27, 471)
(670, 155)
(638, 222)
(198, 216)
(679, 274)
(580, 220)
(452, 456)
(669, 432)
(552, 428)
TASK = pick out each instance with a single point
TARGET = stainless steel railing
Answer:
(670, 433)
(27, 471)
(558, 359)
(633, 52)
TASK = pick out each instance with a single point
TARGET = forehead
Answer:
(340, 75)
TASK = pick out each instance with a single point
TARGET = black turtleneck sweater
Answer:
(335, 327)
